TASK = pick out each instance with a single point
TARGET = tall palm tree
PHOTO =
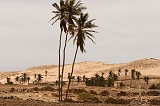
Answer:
(60, 14)
(83, 31)
(66, 13)
(72, 10)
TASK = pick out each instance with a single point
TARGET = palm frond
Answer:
(56, 12)
(91, 39)
(70, 38)
(89, 34)
(56, 6)
(55, 21)
(90, 31)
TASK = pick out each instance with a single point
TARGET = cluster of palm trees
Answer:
(38, 77)
(134, 75)
(24, 78)
(74, 24)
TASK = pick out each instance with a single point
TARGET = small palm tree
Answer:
(132, 75)
(146, 79)
(115, 77)
(84, 78)
(119, 72)
(35, 76)
(112, 78)
(69, 76)
(78, 79)
(8, 80)
(126, 73)
(110, 74)
(24, 77)
(17, 79)
(28, 79)
(138, 74)
(46, 74)
(39, 78)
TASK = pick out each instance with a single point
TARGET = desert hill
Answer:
(146, 66)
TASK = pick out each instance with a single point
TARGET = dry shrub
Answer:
(153, 93)
(55, 94)
(69, 100)
(122, 93)
(77, 91)
(92, 100)
(111, 100)
(105, 93)
(135, 93)
(93, 92)
(47, 88)
(35, 89)
(85, 95)
(12, 90)
(154, 102)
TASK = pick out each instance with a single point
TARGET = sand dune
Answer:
(149, 66)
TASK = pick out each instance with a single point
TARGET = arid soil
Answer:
(38, 95)
(47, 94)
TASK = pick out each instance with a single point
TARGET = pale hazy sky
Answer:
(128, 30)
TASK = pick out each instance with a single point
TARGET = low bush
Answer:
(35, 89)
(117, 101)
(122, 84)
(85, 96)
(154, 102)
(77, 91)
(153, 93)
(47, 88)
(104, 93)
(122, 93)
(93, 92)
(153, 86)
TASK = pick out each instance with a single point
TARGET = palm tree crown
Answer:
(60, 14)
(83, 31)
(73, 9)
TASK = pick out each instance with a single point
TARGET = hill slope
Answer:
(146, 66)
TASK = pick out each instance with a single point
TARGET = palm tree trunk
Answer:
(72, 71)
(64, 54)
(59, 66)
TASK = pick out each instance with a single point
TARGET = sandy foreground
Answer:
(22, 95)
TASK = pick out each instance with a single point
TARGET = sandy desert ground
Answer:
(47, 95)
